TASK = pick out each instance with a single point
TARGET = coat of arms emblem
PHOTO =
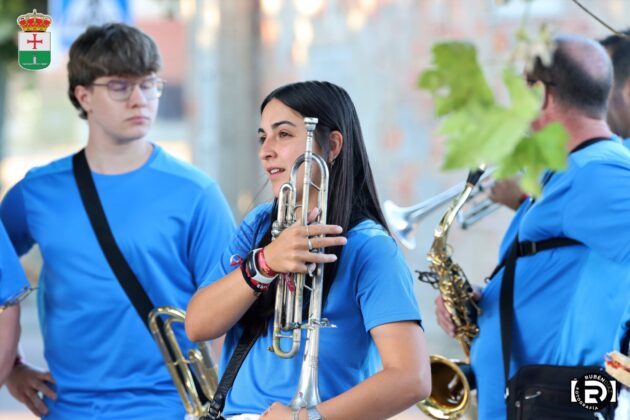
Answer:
(34, 41)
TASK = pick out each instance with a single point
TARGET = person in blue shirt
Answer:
(13, 286)
(568, 302)
(169, 219)
(618, 48)
(508, 191)
(374, 364)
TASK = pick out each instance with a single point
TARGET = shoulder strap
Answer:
(243, 347)
(527, 248)
(625, 340)
(114, 256)
(506, 299)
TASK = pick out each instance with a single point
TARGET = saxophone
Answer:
(452, 380)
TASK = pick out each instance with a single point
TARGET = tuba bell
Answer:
(195, 375)
(287, 323)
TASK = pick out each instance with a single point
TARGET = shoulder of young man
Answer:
(169, 164)
(52, 168)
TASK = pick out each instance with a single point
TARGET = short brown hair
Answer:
(113, 49)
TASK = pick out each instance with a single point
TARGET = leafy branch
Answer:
(478, 129)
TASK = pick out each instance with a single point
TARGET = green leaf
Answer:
(451, 91)
(480, 130)
(545, 149)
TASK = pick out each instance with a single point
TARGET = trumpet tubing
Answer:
(288, 323)
(200, 363)
(405, 220)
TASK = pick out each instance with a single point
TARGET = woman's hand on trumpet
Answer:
(291, 251)
(444, 318)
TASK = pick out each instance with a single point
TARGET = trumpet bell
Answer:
(451, 382)
(405, 220)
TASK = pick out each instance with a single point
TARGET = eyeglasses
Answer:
(120, 90)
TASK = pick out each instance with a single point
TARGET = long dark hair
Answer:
(352, 194)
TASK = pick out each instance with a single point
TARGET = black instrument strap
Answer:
(506, 299)
(92, 203)
(243, 347)
(524, 249)
(527, 248)
(625, 340)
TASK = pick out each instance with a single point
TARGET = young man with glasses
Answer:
(169, 220)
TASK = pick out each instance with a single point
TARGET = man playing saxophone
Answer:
(568, 301)
(367, 287)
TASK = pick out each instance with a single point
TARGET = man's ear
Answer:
(84, 96)
(336, 143)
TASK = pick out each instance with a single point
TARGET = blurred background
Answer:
(221, 57)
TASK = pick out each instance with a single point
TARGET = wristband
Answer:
(262, 265)
(252, 268)
(254, 279)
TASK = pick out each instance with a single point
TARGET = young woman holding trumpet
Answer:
(373, 361)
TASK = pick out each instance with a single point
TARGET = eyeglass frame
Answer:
(110, 91)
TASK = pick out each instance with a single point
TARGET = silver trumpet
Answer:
(287, 324)
(405, 220)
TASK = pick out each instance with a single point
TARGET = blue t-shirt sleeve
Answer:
(248, 234)
(212, 229)
(597, 214)
(624, 330)
(13, 214)
(12, 277)
(384, 284)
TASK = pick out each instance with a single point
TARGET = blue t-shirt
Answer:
(568, 301)
(12, 278)
(373, 286)
(624, 329)
(171, 223)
